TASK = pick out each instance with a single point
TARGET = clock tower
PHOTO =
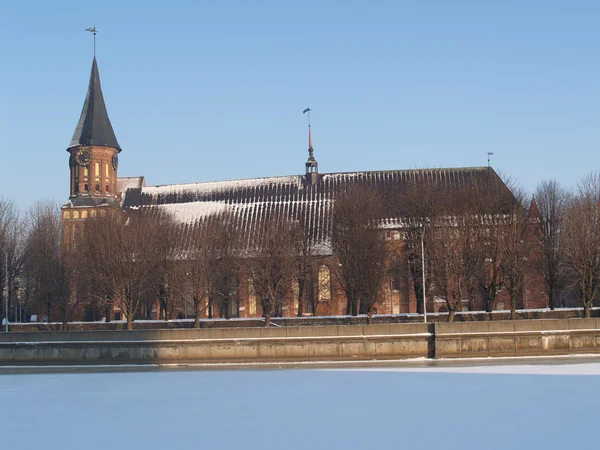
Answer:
(93, 161)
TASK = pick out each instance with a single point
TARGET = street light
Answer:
(6, 284)
(423, 271)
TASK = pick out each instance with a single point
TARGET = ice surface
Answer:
(301, 409)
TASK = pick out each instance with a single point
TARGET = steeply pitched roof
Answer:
(251, 200)
(94, 126)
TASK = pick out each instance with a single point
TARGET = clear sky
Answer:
(202, 91)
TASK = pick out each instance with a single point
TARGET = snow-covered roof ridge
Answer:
(209, 186)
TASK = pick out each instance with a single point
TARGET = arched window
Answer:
(395, 273)
(251, 298)
(97, 171)
(97, 188)
(324, 283)
(86, 188)
(107, 188)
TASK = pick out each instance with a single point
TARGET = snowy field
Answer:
(491, 407)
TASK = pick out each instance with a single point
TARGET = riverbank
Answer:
(311, 344)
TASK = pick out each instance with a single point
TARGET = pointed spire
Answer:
(94, 126)
(311, 163)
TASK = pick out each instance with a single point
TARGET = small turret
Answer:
(312, 166)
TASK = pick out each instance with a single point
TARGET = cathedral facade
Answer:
(96, 190)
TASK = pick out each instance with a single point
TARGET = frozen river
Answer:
(495, 407)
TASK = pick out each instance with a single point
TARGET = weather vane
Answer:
(489, 154)
(93, 30)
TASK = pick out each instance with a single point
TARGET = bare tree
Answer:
(48, 265)
(489, 203)
(272, 261)
(123, 255)
(552, 202)
(451, 259)
(419, 205)
(582, 239)
(12, 248)
(304, 271)
(169, 284)
(212, 265)
(517, 246)
(360, 246)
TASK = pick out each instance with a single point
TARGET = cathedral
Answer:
(97, 190)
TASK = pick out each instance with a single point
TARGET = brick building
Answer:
(96, 190)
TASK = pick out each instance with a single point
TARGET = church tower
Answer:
(93, 160)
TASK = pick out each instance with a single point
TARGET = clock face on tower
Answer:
(83, 157)
(115, 161)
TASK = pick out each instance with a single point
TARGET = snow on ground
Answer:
(300, 409)
(508, 369)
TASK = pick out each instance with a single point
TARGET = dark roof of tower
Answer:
(251, 200)
(94, 126)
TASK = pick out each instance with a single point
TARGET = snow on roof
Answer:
(251, 200)
(189, 213)
(129, 183)
(220, 186)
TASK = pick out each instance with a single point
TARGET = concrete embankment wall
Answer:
(304, 344)
(236, 345)
(517, 338)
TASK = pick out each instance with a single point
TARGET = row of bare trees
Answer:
(483, 240)
(479, 241)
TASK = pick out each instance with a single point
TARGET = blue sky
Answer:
(201, 91)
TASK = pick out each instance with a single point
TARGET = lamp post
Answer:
(6, 285)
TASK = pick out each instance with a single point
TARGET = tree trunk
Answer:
(513, 313)
(130, 321)
(488, 305)
(586, 309)
(451, 314)
(300, 295)
(197, 314)
(355, 306)
(65, 325)
(267, 320)
(552, 299)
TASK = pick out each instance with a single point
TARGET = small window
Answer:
(86, 188)
(106, 171)
(66, 214)
(107, 188)
(93, 213)
(97, 171)
(102, 213)
(84, 214)
(97, 187)
(75, 214)
(86, 171)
